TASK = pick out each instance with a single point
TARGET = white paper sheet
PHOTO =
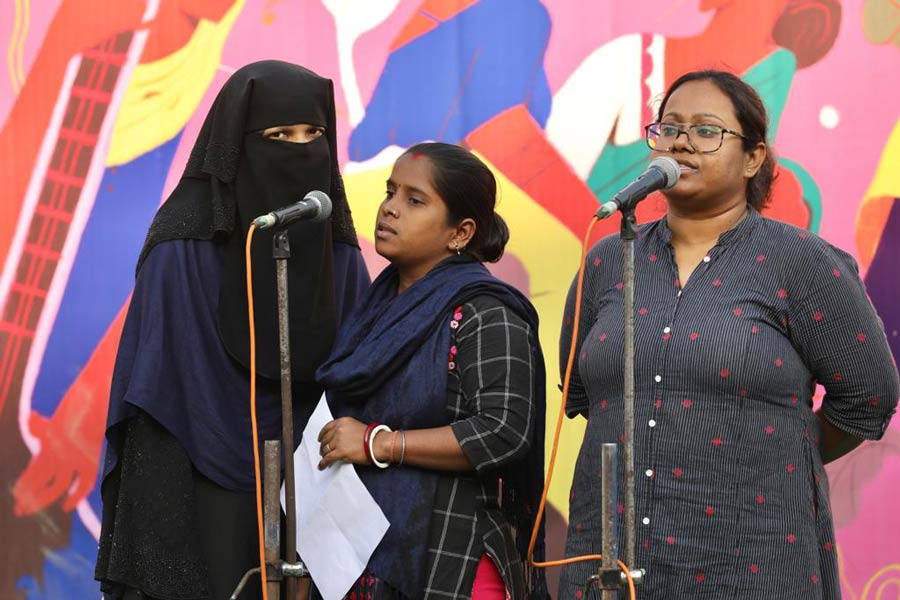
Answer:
(339, 524)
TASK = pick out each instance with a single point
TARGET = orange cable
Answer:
(259, 508)
(559, 423)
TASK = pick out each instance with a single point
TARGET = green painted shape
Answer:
(617, 167)
(772, 77)
(810, 190)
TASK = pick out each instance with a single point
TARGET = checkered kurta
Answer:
(490, 405)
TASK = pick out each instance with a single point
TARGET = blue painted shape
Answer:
(102, 275)
(445, 83)
(68, 573)
(882, 282)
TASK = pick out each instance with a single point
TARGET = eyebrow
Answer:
(413, 189)
(678, 115)
(290, 125)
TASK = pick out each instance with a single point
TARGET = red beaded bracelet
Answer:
(366, 437)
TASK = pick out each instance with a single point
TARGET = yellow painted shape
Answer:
(883, 585)
(876, 205)
(164, 94)
(887, 176)
(23, 35)
(550, 254)
(15, 51)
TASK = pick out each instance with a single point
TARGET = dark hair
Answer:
(470, 192)
(751, 114)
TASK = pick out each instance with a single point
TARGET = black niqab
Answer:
(234, 175)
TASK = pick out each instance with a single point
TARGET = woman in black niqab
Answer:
(233, 175)
(178, 503)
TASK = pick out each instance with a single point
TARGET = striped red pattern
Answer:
(61, 190)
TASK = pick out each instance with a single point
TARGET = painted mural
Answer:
(100, 102)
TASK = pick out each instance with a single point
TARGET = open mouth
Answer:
(382, 228)
(686, 168)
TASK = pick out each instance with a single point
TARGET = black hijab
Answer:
(234, 175)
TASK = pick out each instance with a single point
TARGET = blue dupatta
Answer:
(389, 365)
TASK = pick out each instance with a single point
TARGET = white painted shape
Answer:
(352, 19)
(829, 117)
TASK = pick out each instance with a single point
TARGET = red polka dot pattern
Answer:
(722, 400)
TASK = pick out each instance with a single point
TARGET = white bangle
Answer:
(375, 461)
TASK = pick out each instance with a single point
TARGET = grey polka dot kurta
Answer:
(731, 495)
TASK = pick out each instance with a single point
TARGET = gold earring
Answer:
(456, 246)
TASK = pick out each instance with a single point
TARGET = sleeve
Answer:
(842, 342)
(577, 402)
(351, 279)
(496, 368)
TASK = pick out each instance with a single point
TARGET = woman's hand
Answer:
(342, 439)
(437, 448)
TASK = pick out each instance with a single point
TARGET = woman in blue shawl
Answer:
(437, 385)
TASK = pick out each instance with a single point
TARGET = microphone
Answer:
(662, 174)
(315, 206)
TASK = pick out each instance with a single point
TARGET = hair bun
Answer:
(494, 242)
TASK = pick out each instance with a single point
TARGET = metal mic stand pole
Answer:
(628, 231)
(281, 252)
(276, 569)
(280, 570)
(609, 577)
(272, 516)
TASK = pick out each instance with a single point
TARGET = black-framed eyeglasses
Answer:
(702, 138)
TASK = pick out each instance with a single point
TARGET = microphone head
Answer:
(324, 203)
(668, 166)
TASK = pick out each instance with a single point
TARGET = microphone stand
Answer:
(291, 568)
(281, 252)
(628, 233)
(609, 577)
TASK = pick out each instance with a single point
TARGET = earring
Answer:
(456, 247)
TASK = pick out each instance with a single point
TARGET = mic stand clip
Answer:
(275, 572)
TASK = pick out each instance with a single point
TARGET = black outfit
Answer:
(179, 518)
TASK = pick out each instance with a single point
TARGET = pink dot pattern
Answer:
(723, 407)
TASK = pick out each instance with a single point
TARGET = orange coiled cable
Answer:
(559, 423)
(259, 509)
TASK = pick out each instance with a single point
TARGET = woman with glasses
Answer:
(737, 318)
